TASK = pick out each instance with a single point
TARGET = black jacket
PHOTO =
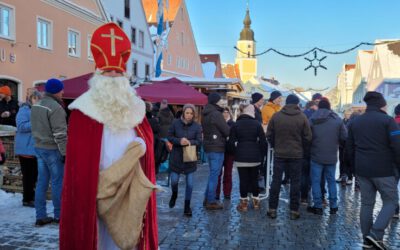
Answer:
(328, 132)
(289, 132)
(374, 144)
(12, 107)
(215, 129)
(257, 114)
(165, 119)
(247, 139)
(176, 132)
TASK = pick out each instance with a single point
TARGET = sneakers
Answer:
(294, 215)
(44, 221)
(376, 243)
(315, 210)
(367, 245)
(271, 213)
(214, 206)
(256, 203)
(349, 182)
(333, 210)
(339, 179)
(243, 205)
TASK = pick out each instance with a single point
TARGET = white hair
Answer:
(116, 101)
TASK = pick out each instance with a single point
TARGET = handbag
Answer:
(189, 153)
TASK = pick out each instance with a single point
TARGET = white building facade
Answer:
(130, 15)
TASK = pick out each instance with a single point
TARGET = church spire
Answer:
(247, 33)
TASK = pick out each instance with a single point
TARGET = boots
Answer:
(256, 203)
(243, 205)
(187, 211)
(173, 199)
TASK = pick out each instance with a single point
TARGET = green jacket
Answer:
(49, 124)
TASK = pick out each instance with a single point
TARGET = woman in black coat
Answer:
(247, 138)
(183, 132)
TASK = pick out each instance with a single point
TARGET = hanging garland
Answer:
(315, 62)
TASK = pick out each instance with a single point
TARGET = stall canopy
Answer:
(74, 87)
(173, 90)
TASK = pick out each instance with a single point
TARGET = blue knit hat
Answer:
(292, 99)
(53, 86)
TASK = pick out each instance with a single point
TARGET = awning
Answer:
(173, 90)
(74, 87)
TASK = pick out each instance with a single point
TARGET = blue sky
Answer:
(294, 26)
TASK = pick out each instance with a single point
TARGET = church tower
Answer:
(247, 63)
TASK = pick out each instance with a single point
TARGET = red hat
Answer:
(5, 90)
(110, 47)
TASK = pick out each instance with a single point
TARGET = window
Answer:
(74, 43)
(169, 60)
(44, 33)
(120, 24)
(182, 37)
(127, 9)
(178, 63)
(147, 71)
(7, 22)
(133, 35)
(141, 39)
(134, 69)
(89, 51)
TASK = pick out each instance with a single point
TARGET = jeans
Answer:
(387, 188)
(248, 178)
(215, 161)
(50, 166)
(315, 174)
(227, 177)
(189, 184)
(294, 166)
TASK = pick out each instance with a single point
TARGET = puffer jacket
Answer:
(328, 132)
(215, 129)
(178, 130)
(289, 132)
(24, 143)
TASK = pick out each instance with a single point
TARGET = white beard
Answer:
(112, 102)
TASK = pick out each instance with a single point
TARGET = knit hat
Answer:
(324, 103)
(275, 94)
(5, 90)
(397, 110)
(316, 96)
(255, 97)
(213, 98)
(373, 98)
(53, 86)
(189, 106)
(292, 99)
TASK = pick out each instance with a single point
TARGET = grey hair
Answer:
(244, 105)
(34, 93)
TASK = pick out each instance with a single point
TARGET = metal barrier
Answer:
(269, 159)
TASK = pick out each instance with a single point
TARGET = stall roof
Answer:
(173, 90)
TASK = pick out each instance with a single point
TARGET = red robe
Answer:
(78, 225)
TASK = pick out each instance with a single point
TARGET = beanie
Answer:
(256, 97)
(53, 86)
(316, 96)
(275, 94)
(324, 103)
(397, 110)
(213, 98)
(292, 99)
(375, 99)
(5, 90)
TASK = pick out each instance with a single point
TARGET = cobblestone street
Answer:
(227, 229)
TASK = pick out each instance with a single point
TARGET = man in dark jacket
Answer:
(215, 130)
(328, 132)
(165, 119)
(8, 107)
(257, 100)
(288, 132)
(374, 142)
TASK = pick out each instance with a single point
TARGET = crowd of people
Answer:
(107, 131)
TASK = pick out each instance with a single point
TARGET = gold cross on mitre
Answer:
(112, 36)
